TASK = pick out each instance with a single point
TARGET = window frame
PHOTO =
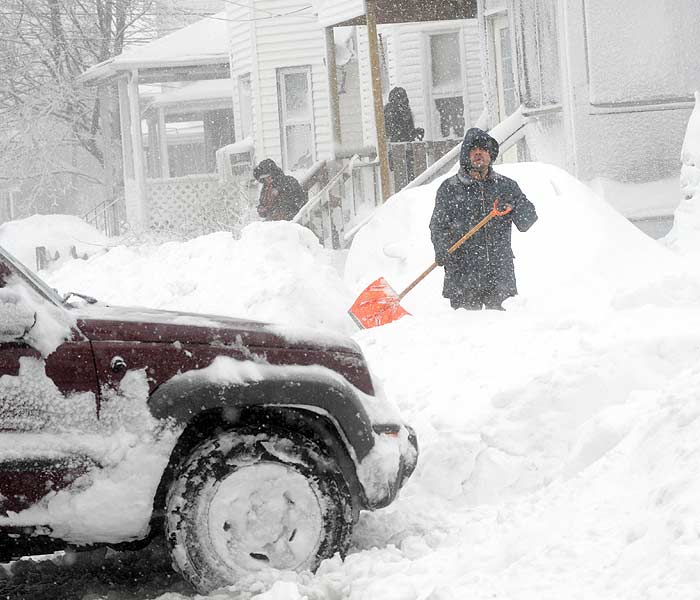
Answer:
(432, 114)
(284, 120)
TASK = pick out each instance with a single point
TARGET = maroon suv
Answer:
(246, 445)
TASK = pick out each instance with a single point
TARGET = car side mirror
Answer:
(16, 319)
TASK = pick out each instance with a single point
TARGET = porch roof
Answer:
(203, 44)
(394, 11)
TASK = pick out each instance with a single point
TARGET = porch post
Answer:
(153, 158)
(163, 140)
(333, 89)
(130, 199)
(137, 147)
(106, 120)
(111, 218)
(377, 95)
(125, 121)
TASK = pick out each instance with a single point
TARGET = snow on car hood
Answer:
(103, 322)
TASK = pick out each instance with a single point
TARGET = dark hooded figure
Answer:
(398, 118)
(281, 196)
(481, 271)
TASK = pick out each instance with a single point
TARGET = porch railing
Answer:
(409, 159)
(108, 216)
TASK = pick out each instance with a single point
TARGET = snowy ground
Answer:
(560, 440)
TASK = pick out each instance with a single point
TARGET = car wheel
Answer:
(249, 500)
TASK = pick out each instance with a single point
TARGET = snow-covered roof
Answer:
(202, 43)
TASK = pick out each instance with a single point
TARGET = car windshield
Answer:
(34, 280)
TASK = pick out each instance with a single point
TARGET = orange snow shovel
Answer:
(379, 304)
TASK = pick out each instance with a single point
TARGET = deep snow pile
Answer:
(685, 235)
(559, 440)
(57, 233)
(276, 272)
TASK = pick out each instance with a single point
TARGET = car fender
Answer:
(313, 388)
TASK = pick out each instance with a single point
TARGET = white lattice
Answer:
(197, 204)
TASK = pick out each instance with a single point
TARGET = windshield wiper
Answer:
(88, 299)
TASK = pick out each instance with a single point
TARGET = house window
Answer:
(507, 92)
(447, 86)
(245, 104)
(296, 117)
(542, 83)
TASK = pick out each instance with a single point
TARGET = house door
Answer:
(506, 91)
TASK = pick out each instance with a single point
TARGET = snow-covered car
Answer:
(246, 445)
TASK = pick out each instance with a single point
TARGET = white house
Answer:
(606, 87)
(283, 89)
(175, 112)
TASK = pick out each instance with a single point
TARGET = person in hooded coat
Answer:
(398, 118)
(281, 196)
(480, 273)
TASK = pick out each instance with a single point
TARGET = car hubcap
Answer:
(265, 515)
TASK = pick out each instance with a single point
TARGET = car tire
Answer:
(250, 500)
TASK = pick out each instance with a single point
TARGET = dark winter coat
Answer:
(483, 265)
(281, 196)
(398, 118)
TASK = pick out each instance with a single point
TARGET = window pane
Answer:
(509, 93)
(296, 89)
(451, 115)
(298, 139)
(445, 62)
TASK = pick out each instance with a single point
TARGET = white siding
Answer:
(242, 49)
(332, 12)
(642, 143)
(290, 41)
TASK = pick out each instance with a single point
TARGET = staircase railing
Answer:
(344, 197)
(107, 216)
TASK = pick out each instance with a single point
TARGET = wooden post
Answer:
(333, 88)
(163, 141)
(125, 120)
(377, 95)
(137, 146)
(153, 159)
(106, 128)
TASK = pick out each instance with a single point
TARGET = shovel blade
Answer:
(378, 304)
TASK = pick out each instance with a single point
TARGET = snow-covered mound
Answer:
(685, 235)
(57, 233)
(276, 272)
(581, 254)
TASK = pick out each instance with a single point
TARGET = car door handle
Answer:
(118, 364)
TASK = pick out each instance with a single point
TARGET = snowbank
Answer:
(580, 255)
(276, 272)
(57, 233)
(685, 235)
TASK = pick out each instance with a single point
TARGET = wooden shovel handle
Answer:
(494, 212)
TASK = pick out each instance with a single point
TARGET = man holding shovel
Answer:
(480, 272)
